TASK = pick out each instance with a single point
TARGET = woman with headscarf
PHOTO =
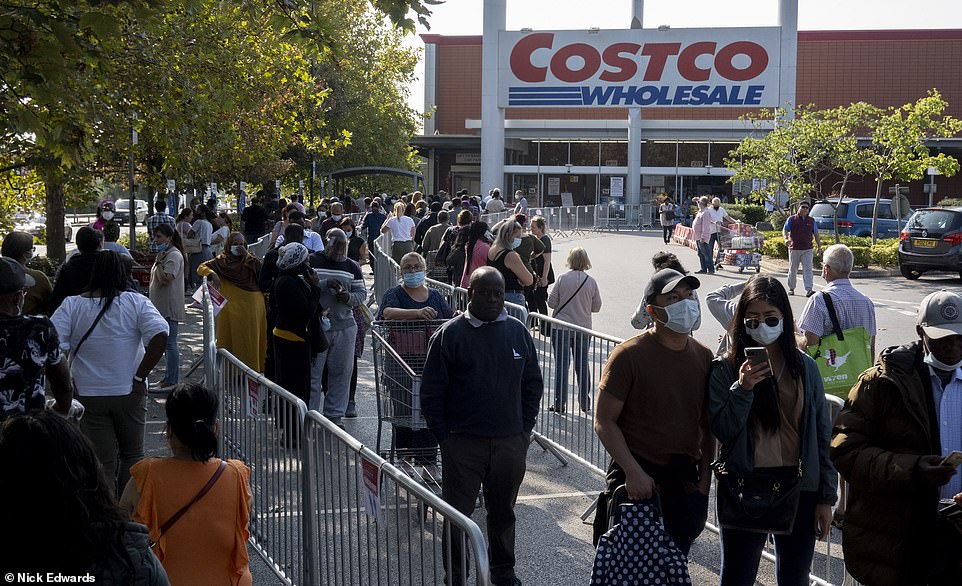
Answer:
(242, 323)
(297, 331)
(105, 213)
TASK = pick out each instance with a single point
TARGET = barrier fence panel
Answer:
(262, 425)
(387, 273)
(372, 524)
(571, 360)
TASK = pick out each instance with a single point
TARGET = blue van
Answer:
(855, 217)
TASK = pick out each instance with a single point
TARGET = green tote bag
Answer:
(842, 355)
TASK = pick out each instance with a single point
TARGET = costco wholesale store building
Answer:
(566, 129)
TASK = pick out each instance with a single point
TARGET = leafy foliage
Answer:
(884, 253)
(748, 213)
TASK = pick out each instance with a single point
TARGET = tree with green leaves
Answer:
(898, 148)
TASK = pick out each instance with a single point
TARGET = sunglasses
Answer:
(770, 321)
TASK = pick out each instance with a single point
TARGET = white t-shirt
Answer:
(401, 228)
(494, 206)
(223, 232)
(716, 217)
(203, 230)
(108, 360)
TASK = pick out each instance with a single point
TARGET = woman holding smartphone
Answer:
(770, 417)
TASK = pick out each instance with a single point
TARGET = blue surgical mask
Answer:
(682, 315)
(765, 334)
(162, 247)
(349, 234)
(516, 243)
(415, 279)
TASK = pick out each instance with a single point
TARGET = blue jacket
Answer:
(729, 406)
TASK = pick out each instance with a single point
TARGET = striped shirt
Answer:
(348, 274)
(853, 308)
(948, 414)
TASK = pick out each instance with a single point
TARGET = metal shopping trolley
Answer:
(400, 349)
(739, 245)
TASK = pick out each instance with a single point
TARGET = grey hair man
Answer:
(854, 309)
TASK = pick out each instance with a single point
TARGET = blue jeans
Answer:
(742, 550)
(704, 257)
(517, 299)
(564, 343)
(172, 375)
(712, 241)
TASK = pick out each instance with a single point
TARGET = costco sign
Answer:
(640, 67)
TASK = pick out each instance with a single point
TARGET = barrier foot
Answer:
(546, 446)
(588, 512)
(194, 366)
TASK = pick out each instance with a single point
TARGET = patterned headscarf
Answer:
(291, 255)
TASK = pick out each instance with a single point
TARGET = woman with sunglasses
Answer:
(771, 420)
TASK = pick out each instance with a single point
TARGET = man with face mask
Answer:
(342, 289)
(30, 352)
(902, 418)
(480, 394)
(652, 411)
(337, 212)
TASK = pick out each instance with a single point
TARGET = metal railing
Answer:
(325, 509)
(370, 523)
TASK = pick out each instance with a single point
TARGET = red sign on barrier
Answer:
(372, 488)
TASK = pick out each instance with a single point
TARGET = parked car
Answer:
(855, 217)
(37, 225)
(122, 207)
(931, 241)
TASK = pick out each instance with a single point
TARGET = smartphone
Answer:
(757, 355)
(953, 460)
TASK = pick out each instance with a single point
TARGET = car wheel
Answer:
(909, 273)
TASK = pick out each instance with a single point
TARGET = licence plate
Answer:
(924, 242)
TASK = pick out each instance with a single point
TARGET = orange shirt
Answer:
(208, 545)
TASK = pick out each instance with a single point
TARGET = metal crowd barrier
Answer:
(370, 523)
(325, 509)
(262, 426)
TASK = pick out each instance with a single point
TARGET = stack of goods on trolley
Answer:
(739, 245)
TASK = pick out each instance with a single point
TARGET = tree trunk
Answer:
(878, 196)
(56, 247)
(841, 195)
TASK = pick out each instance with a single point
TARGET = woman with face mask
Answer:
(167, 294)
(503, 257)
(356, 251)
(105, 213)
(242, 323)
(475, 251)
(769, 415)
(412, 300)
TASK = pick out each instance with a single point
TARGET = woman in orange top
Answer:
(208, 543)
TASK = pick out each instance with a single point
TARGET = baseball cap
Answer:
(12, 276)
(665, 280)
(940, 314)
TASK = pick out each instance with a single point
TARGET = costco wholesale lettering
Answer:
(684, 67)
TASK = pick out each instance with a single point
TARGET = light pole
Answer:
(131, 211)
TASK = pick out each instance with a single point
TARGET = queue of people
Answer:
(666, 403)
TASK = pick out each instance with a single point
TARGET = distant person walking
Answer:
(799, 231)
(666, 215)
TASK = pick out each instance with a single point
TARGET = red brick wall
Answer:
(885, 68)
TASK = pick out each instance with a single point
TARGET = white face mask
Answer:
(682, 315)
(937, 364)
(237, 250)
(107, 215)
(765, 334)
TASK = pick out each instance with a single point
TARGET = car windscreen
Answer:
(122, 204)
(935, 220)
(827, 210)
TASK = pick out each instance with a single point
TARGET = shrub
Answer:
(777, 219)
(774, 245)
(950, 202)
(750, 214)
(862, 256)
(143, 240)
(885, 253)
(44, 264)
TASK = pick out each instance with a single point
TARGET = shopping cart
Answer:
(400, 350)
(437, 271)
(738, 246)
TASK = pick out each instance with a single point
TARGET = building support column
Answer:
(492, 117)
(788, 21)
(633, 181)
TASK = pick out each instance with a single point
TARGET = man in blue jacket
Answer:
(480, 395)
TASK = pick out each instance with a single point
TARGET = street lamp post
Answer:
(131, 211)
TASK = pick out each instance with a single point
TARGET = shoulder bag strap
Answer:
(565, 304)
(210, 484)
(832, 315)
(90, 330)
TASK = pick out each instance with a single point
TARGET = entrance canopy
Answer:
(341, 174)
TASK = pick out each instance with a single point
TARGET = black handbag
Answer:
(764, 500)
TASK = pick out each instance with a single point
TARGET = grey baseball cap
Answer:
(13, 277)
(940, 314)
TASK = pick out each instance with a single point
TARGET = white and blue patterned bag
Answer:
(638, 551)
